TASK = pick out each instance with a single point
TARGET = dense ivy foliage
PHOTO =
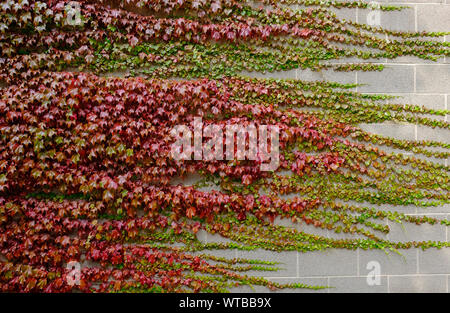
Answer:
(86, 173)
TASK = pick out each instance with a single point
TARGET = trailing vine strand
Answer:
(86, 169)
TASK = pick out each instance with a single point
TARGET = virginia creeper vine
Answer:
(86, 173)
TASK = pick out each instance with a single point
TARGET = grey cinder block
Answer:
(202, 235)
(436, 102)
(425, 284)
(391, 263)
(327, 75)
(434, 261)
(413, 232)
(323, 281)
(394, 78)
(357, 284)
(347, 14)
(391, 129)
(433, 78)
(287, 260)
(431, 17)
(445, 208)
(436, 134)
(332, 262)
(409, 59)
(276, 75)
(403, 20)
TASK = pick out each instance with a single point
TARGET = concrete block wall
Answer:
(418, 82)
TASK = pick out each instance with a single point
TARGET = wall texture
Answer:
(418, 82)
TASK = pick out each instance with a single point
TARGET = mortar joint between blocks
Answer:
(417, 262)
(357, 263)
(446, 282)
(415, 18)
(415, 78)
